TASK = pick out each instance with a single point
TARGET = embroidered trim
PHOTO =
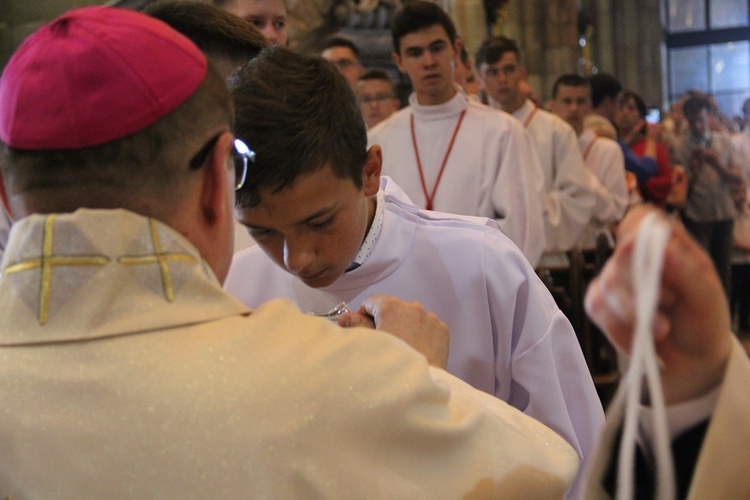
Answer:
(47, 261)
(158, 257)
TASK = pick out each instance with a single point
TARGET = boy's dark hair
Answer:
(693, 105)
(416, 16)
(379, 74)
(628, 95)
(569, 80)
(340, 41)
(216, 32)
(463, 54)
(604, 85)
(493, 49)
(298, 114)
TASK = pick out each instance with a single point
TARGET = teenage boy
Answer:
(569, 200)
(330, 230)
(344, 54)
(452, 154)
(571, 101)
(376, 95)
(270, 17)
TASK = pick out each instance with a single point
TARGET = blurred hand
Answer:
(692, 327)
(408, 321)
(653, 131)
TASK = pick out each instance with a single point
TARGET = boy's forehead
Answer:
(572, 90)
(308, 195)
(372, 85)
(434, 32)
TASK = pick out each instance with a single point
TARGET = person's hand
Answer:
(653, 131)
(692, 328)
(635, 132)
(408, 321)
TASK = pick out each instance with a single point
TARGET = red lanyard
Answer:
(589, 147)
(431, 196)
(529, 118)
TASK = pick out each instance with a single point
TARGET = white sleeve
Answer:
(518, 193)
(608, 184)
(570, 201)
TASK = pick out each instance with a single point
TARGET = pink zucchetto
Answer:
(94, 75)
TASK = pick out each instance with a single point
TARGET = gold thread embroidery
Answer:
(47, 261)
(158, 257)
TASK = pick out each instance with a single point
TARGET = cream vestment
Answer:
(127, 372)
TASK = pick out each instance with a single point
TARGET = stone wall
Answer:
(626, 41)
(18, 18)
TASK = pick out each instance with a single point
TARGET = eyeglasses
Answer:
(243, 157)
(379, 98)
(345, 64)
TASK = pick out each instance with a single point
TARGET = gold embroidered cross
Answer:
(158, 257)
(47, 261)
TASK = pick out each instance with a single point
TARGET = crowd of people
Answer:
(142, 355)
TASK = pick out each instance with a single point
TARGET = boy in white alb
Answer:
(450, 153)
(569, 200)
(571, 101)
(330, 229)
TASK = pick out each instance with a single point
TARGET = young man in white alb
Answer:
(568, 198)
(331, 230)
(452, 154)
(571, 101)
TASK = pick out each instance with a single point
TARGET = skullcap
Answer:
(94, 75)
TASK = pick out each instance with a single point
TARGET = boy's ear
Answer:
(457, 46)
(371, 170)
(397, 61)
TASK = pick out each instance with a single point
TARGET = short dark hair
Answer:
(340, 41)
(416, 16)
(569, 80)
(628, 95)
(493, 49)
(604, 85)
(694, 104)
(215, 31)
(146, 165)
(298, 114)
(378, 74)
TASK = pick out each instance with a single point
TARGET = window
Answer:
(708, 49)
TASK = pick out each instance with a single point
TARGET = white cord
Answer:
(648, 257)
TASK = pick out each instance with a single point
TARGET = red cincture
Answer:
(431, 196)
